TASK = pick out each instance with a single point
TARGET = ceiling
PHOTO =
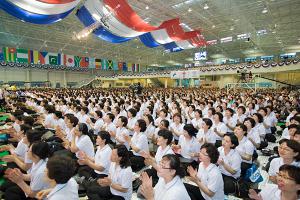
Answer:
(223, 18)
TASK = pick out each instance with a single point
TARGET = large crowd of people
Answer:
(164, 144)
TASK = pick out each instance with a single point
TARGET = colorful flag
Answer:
(109, 65)
(42, 57)
(10, 54)
(98, 63)
(22, 55)
(129, 67)
(33, 57)
(1, 55)
(92, 63)
(120, 66)
(84, 62)
(124, 67)
(69, 60)
(115, 64)
(77, 61)
(104, 64)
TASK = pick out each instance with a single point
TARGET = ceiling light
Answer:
(279, 42)
(147, 7)
(205, 7)
(190, 10)
(213, 26)
(265, 10)
(231, 28)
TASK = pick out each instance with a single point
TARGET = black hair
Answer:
(220, 115)
(60, 168)
(99, 113)
(199, 111)
(142, 124)
(213, 111)
(175, 164)
(234, 140)
(208, 122)
(111, 116)
(122, 152)
(293, 172)
(58, 114)
(242, 108)
(212, 152)
(230, 110)
(295, 146)
(259, 117)
(85, 109)
(74, 120)
(164, 111)
(104, 135)
(132, 111)
(28, 120)
(190, 129)
(124, 120)
(177, 115)
(25, 127)
(251, 120)
(165, 122)
(166, 134)
(243, 127)
(150, 118)
(33, 136)
(41, 149)
(83, 128)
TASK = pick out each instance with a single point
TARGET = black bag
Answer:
(242, 188)
(270, 138)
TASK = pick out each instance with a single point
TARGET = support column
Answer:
(166, 83)
(180, 82)
(64, 79)
(28, 79)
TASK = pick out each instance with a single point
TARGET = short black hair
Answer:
(259, 116)
(190, 129)
(234, 140)
(28, 120)
(251, 120)
(132, 111)
(104, 135)
(242, 108)
(111, 116)
(175, 164)
(150, 118)
(212, 152)
(166, 134)
(165, 122)
(58, 114)
(41, 149)
(83, 128)
(142, 124)
(60, 168)
(124, 120)
(33, 136)
(74, 120)
(293, 172)
(99, 113)
(122, 152)
(295, 146)
(208, 122)
(243, 127)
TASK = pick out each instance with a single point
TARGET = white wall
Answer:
(31, 75)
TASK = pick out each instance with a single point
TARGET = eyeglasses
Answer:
(283, 176)
(284, 148)
(161, 164)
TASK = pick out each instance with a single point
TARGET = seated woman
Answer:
(289, 152)
(205, 134)
(219, 128)
(59, 170)
(188, 146)
(288, 187)
(118, 184)
(229, 162)
(122, 131)
(138, 144)
(245, 147)
(169, 186)
(97, 167)
(252, 133)
(164, 140)
(208, 178)
(81, 143)
(38, 153)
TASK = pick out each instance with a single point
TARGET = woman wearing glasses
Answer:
(208, 179)
(170, 185)
(287, 188)
(289, 152)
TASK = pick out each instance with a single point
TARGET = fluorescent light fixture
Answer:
(213, 26)
(261, 32)
(243, 36)
(190, 10)
(147, 7)
(212, 42)
(226, 39)
(265, 10)
(206, 7)
(187, 2)
(231, 28)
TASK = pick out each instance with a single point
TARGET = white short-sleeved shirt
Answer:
(188, 147)
(268, 122)
(221, 127)
(140, 140)
(122, 177)
(84, 143)
(60, 123)
(98, 125)
(68, 190)
(120, 132)
(209, 136)
(233, 159)
(261, 130)
(254, 135)
(245, 147)
(161, 152)
(131, 123)
(111, 128)
(21, 149)
(270, 191)
(231, 121)
(173, 190)
(197, 123)
(17, 127)
(38, 174)
(102, 158)
(150, 130)
(276, 163)
(49, 120)
(178, 128)
(212, 178)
